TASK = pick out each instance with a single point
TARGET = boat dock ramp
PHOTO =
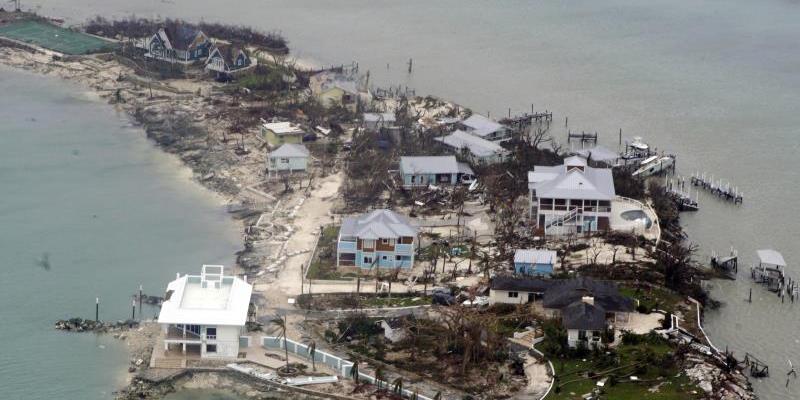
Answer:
(682, 194)
(728, 264)
(723, 190)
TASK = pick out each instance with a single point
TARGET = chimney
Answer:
(177, 275)
(588, 299)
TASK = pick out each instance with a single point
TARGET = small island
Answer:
(394, 245)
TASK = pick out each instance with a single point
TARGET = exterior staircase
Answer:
(570, 216)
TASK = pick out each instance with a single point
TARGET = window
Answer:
(513, 294)
(385, 241)
(367, 260)
(368, 244)
(384, 257)
(211, 348)
(284, 160)
(211, 333)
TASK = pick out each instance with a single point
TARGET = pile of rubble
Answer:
(715, 382)
(87, 325)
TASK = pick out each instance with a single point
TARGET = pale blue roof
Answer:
(379, 224)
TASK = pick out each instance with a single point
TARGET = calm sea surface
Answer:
(717, 82)
(111, 211)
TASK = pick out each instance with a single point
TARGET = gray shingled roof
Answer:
(429, 165)
(290, 150)
(477, 146)
(606, 294)
(583, 316)
(564, 182)
(379, 224)
(520, 284)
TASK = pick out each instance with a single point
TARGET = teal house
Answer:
(534, 262)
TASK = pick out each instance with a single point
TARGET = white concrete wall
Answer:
(502, 297)
(227, 342)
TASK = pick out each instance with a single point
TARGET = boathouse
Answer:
(204, 316)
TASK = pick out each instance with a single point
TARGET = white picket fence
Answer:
(342, 366)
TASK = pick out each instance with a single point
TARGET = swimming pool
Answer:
(635, 215)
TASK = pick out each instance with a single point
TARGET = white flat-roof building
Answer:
(484, 127)
(204, 315)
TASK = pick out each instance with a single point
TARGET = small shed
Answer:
(534, 261)
(289, 157)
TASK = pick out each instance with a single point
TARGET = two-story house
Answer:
(570, 198)
(587, 308)
(226, 60)
(380, 238)
(204, 315)
(278, 133)
(178, 43)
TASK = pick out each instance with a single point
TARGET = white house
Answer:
(289, 158)
(570, 198)
(204, 315)
(484, 127)
(476, 149)
(421, 171)
(516, 290)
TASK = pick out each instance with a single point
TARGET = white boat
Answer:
(654, 166)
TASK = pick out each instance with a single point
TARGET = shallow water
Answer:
(714, 81)
(110, 210)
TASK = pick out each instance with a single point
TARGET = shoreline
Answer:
(102, 86)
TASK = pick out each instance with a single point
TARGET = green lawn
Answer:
(54, 38)
(323, 264)
(653, 298)
(572, 376)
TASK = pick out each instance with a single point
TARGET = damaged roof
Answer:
(605, 294)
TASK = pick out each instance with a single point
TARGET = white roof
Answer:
(771, 257)
(481, 126)
(598, 153)
(207, 299)
(479, 147)
(573, 180)
(379, 224)
(283, 128)
(431, 165)
(290, 150)
(535, 256)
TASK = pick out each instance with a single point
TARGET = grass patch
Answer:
(395, 301)
(55, 38)
(653, 298)
(323, 263)
(651, 361)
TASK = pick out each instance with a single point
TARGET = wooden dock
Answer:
(722, 190)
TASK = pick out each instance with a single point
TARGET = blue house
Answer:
(178, 43)
(534, 262)
(228, 59)
(433, 170)
(379, 239)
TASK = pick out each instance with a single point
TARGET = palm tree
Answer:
(485, 263)
(378, 376)
(398, 386)
(281, 324)
(354, 371)
(312, 352)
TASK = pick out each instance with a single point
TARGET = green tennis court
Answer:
(54, 38)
